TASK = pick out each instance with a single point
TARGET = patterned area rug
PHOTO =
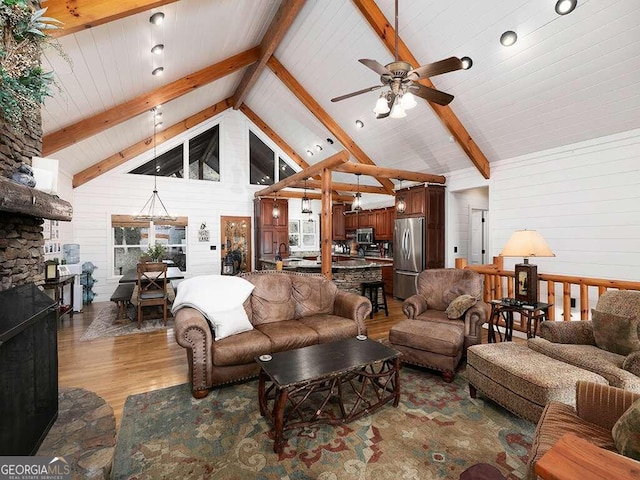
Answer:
(436, 432)
(104, 325)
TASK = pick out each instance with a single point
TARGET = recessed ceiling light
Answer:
(157, 49)
(359, 124)
(157, 18)
(309, 152)
(157, 71)
(564, 7)
(329, 141)
(318, 148)
(508, 38)
(467, 63)
(158, 125)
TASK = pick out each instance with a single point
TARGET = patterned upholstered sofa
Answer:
(287, 310)
(524, 378)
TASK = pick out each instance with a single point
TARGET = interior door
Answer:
(236, 238)
(477, 236)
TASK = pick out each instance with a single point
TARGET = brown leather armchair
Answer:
(437, 288)
(428, 337)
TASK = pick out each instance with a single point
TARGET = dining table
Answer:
(131, 276)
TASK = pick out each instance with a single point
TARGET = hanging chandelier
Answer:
(306, 202)
(401, 204)
(154, 210)
(357, 201)
(275, 212)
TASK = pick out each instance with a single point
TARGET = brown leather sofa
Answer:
(287, 310)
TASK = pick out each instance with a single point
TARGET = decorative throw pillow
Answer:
(615, 333)
(626, 432)
(229, 322)
(460, 305)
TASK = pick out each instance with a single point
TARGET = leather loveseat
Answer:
(287, 310)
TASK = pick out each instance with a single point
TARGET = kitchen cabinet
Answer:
(270, 233)
(366, 219)
(350, 221)
(414, 198)
(434, 221)
(339, 221)
(383, 223)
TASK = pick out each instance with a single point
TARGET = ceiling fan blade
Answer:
(431, 94)
(390, 102)
(376, 67)
(359, 92)
(436, 68)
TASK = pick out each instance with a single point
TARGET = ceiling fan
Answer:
(401, 78)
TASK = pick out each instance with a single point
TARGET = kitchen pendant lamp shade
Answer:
(357, 201)
(275, 212)
(306, 201)
(526, 243)
(401, 205)
(154, 210)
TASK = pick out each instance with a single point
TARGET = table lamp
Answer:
(526, 243)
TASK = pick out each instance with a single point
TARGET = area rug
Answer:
(436, 432)
(104, 325)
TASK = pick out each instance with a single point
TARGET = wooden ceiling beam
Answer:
(279, 26)
(372, 170)
(88, 127)
(343, 187)
(78, 15)
(314, 107)
(142, 146)
(312, 195)
(330, 162)
(386, 32)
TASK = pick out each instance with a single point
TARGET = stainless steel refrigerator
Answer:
(408, 255)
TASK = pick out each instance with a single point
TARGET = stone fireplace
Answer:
(22, 209)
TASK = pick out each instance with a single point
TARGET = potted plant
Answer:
(155, 252)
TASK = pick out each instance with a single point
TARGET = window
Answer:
(261, 161)
(204, 155)
(169, 164)
(303, 235)
(131, 239)
(203, 159)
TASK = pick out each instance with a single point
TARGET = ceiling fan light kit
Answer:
(401, 79)
(467, 63)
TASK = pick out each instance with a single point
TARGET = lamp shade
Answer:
(526, 243)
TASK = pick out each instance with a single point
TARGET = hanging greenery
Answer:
(23, 83)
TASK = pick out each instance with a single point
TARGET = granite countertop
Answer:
(294, 263)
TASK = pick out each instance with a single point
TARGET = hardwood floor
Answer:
(117, 367)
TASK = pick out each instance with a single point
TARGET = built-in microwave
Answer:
(364, 236)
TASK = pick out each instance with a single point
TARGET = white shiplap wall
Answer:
(583, 198)
(116, 192)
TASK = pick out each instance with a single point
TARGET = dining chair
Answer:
(152, 288)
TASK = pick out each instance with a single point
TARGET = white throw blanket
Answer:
(219, 298)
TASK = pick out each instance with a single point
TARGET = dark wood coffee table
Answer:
(332, 383)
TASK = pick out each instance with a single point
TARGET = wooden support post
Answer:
(566, 301)
(551, 298)
(461, 263)
(327, 224)
(584, 302)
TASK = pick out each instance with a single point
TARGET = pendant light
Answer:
(357, 202)
(306, 202)
(275, 213)
(401, 205)
(154, 210)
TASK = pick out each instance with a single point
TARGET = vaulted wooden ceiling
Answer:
(281, 62)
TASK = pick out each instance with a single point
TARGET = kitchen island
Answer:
(348, 275)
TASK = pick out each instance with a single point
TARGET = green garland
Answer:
(23, 84)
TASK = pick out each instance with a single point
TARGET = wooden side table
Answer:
(505, 309)
(58, 288)
(573, 458)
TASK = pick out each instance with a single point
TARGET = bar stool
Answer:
(370, 290)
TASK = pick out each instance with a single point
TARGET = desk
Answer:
(131, 276)
(573, 458)
(505, 310)
(58, 288)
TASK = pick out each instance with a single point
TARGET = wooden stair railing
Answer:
(499, 283)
